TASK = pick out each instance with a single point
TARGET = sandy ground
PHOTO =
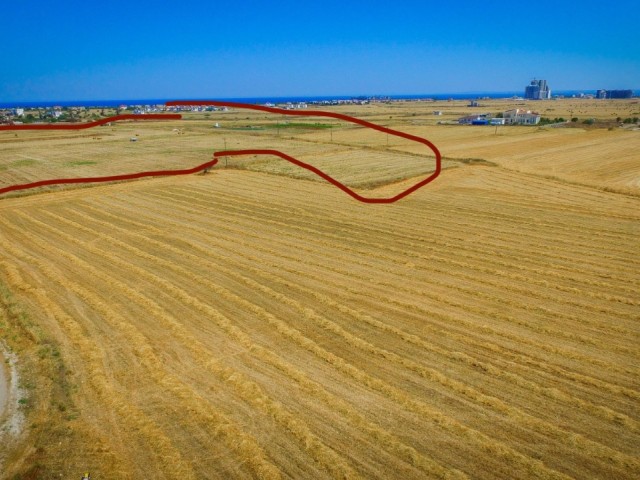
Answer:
(3, 386)
(11, 417)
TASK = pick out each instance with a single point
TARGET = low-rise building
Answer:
(473, 119)
(519, 116)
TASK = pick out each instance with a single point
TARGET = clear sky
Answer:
(88, 49)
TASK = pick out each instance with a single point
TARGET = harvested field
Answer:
(251, 325)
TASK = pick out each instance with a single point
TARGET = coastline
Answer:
(97, 103)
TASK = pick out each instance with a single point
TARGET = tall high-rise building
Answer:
(537, 90)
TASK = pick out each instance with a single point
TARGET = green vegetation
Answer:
(293, 125)
(79, 163)
(547, 121)
(246, 128)
(27, 162)
(46, 387)
(305, 125)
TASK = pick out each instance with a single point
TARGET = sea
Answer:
(283, 100)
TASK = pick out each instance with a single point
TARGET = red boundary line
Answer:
(113, 178)
(226, 153)
(82, 126)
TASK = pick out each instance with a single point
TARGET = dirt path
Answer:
(4, 390)
(11, 418)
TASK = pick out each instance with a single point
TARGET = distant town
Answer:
(537, 90)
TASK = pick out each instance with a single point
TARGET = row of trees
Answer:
(66, 115)
(588, 121)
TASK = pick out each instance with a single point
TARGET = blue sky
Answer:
(76, 50)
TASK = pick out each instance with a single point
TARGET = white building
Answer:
(519, 116)
(479, 119)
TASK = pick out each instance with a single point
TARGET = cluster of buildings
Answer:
(288, 105)
(351, 101)
(537, 90)
(614, 93)
(11, 114)
(18, 115)
(187, 108)
(516, 116)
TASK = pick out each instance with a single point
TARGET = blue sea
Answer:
(281, 100)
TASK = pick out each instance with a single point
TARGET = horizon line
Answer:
(407, 96)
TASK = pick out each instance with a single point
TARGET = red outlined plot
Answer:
(227, 153)
(318, 113)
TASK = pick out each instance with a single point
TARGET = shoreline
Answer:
(312, 99)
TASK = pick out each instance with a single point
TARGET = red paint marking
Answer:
(113, 178)
(227, 153)
(317, 113)
(82, 126)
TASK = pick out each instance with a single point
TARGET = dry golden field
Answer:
(247, 324)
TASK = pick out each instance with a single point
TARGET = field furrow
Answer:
(275, 253)
(255, 322)
(477, 292)
(353, 340)
(248, 390)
